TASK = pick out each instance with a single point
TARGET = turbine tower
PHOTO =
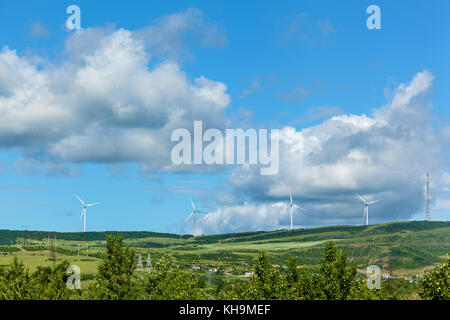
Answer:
(366, 207)
(427, 200)
(83, 211)
(193, 213)
(291, 207)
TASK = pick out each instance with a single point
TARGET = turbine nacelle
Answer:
(291, 206)
(193, 213)
(83, 211)
(366, 207)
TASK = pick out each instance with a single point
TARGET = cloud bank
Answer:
(116, 98)
(384, 155)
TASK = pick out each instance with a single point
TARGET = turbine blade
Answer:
(372, 202)
(189, 216)
(79, 199)
(290, 196)
(201, 211)
(192, 202)
(298, 207)
(362, 199)
(92, 204)
(82, 212)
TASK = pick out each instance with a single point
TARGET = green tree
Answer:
(301, 283)
(435, 285)
(265, 283)
(51, 283)
(360, 291)
(310, 285)
(292, 273)
(168, 281)
(114, 280)
(337, 275)
(15, 282)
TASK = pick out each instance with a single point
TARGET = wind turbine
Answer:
(291, 206)
(83, 211)
(366, 207)
(193, 213)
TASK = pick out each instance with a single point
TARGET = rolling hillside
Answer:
(396, 247)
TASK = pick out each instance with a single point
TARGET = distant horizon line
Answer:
(237, 232)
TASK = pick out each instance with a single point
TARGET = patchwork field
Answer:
(400, 248)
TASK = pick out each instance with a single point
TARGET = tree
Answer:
(310, 285)
(265, 283)
(360, 291)
(51, 283)
(15, 282)
(301, 283)
(114, 280)
(45, 283)
(292, 273)
(335, 280)
(168, 281)
(435, 285)
(337, 276)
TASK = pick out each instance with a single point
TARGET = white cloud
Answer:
(303, 29)
(296, 95)
(173, 35)
(442, 204)
(233, 218)
(325, 26)
(382, 156)
(253, 87)
(39, 30)
(105, 103)
(322, 112)
(408, 91)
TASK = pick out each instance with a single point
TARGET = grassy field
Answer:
(400, 248)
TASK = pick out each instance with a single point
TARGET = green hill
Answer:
(399, 245)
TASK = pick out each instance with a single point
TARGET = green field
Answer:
(400, 248)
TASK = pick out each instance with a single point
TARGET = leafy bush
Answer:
(436, 283)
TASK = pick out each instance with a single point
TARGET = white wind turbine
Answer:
(366, 207)
(291, 206)
(193, 213)
(83, 211)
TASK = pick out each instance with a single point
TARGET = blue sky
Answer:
(285, 64)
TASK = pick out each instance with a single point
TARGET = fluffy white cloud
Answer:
(233, 218)
(382, 156)
(105, 103)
